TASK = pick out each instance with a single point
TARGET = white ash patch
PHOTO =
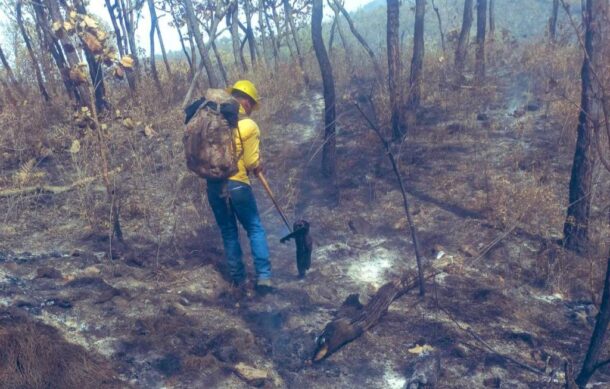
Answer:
(393, 380)
(371, 266)
(553, 298)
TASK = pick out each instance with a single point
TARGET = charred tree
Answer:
(82, 96)
(417, 64)
(553, 21)
(28, 45)
(591, 362)
(479, 64)
(393, 14)
(462, 47)
(203, 50)
(117, 31)
(95, 68)
(328, 153)
(177, 24)
(127, 23)
(153, 30)
(575, 230)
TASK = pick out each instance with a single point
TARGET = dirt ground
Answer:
(166, 317)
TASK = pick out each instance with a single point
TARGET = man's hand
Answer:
(258, 169)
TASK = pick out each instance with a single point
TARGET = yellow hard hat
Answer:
(246, 87)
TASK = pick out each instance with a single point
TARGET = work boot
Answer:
(264, 287)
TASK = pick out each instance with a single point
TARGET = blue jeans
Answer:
(232, 201)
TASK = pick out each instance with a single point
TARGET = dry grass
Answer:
(34, 355)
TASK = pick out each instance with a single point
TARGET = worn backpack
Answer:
(209, 142)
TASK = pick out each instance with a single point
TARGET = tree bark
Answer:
(344, 42)
(72, 57)
(394, 79)
(417, 64)
(250, 33)
(576, 226)
(151, 35)
(127, 22)
(479, 65)
(95, 69)
(203, 50)
(360, 39)
(329, 151)
(590, 364)
(117, 31)
(182, 38)
(221, 66)
(28, 44)
(553, 21)
(462, 47)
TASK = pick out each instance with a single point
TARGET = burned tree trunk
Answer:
(462, 47)
(127, 25)
(553, 21)
(328, 153)
(153, 30)
(353, 319)
(575, 229)
(417, 64)
(95, 69)
(254, 54)
(203, 51)
(117, 31)
(28, 45)
(479, 64)
(393, 13)
(591, 362)
(82, 92)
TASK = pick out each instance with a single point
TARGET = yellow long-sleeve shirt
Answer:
(248, 140)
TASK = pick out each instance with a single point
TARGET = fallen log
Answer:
(353, 319)
(50, 189)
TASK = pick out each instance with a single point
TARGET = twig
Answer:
(479, 339)
(386, 145)
(493, 243)
(51, 189)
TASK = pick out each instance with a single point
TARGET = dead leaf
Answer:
(127, 62)
(426, 348)
(92, 43)
(149, 131)
(90, 22)
(128, 122)
(78, 75)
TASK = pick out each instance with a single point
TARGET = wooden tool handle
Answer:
(263, 180)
